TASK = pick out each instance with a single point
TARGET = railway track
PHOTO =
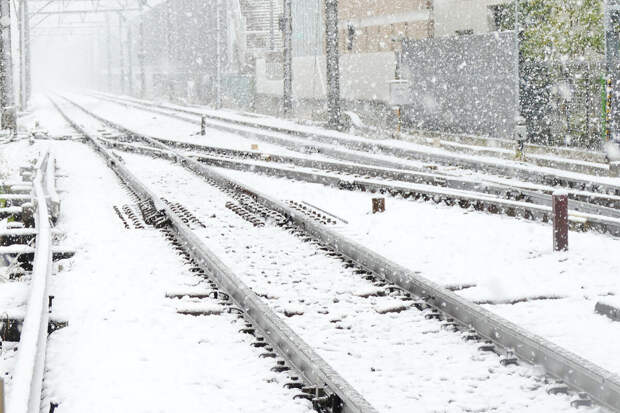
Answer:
(565, 158)
(504, 337)
(315, 379)
(272, 134)
(540, 187)
(581, 201)
(493, 198)
(27, 381)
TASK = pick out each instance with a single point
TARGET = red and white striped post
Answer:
(560, 220)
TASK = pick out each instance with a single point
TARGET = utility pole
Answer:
(109, 50)
(612, 54)
(520, 131)
(27, 55)
(7, 98)
(272, 39)
(129, 61)
(516, 62)
(333, 63)
(141, 52)
(218, 55)
(169, 75)
(121, 52)
(22, 73)
(287, 28)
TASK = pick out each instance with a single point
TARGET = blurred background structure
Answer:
(436, 65)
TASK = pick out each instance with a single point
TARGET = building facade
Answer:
(370, 37)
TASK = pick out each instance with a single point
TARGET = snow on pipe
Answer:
(25, 396)
(577, 372)
(292, 347)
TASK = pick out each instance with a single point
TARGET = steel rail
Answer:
(25, 395)
(582, 202)
(481, 200)
(602, 385)
(477, 165)
(288, 344)
(453, 139)
(579, 201)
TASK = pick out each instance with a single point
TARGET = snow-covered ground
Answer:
(482, 157)
(368, 348)
(121, 325)
(13, 293)
(508, 260)
(126, 348)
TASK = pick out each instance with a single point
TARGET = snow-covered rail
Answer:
(329, 391)
(578, 373)
(273, 134)
(450, 141)
(490, 198)
(25, 396)
(580, 201)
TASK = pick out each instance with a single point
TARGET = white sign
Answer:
(399, 92)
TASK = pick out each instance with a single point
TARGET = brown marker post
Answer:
(560, 220)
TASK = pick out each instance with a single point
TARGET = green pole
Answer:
(604, 130)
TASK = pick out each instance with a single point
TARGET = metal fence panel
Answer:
(464, 84)
(308, 28)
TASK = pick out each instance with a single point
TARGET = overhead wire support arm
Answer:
(82, 11)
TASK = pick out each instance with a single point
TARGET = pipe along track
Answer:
(500, 334)
(268, 133)
(321, 383)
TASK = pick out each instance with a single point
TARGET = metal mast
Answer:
(287, 21)
(612, 46)
(333, 63)
(7, 98)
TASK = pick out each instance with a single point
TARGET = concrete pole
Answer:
(169, 58)
(129, 61)
(333, 63)
(7, 97)
(22, 73)
(141, 53)
(287, 98)
(27, 54)
(272, 34)
(109, 51)
(516, 64)
(218, 55)
(121, 52)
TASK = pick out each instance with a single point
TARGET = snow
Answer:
(126, 348)
(120, 319)
(354, 334)
(506, 259)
